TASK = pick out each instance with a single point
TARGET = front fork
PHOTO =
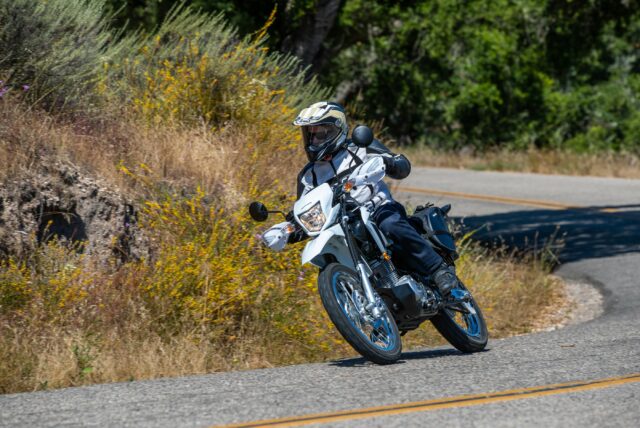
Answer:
(372, 303)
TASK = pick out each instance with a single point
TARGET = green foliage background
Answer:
(561, 74)
(482, 73)
(195, 115)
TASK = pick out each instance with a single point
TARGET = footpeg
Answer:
(460, 299)
(459, 295)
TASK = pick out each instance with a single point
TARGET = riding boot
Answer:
(445, 279)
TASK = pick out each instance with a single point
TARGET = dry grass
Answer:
(515, 292)
(100, 325)
(29, 138)
(68, 319)
(77, 321)
(220, 162)
(115, 334)
(57, 357)
(622, 165)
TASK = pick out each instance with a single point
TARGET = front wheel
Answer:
(463, 325)
(343, 297)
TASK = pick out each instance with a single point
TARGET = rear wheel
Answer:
(343, 297)
(463, 325)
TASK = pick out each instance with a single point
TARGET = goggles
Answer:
(317, 135)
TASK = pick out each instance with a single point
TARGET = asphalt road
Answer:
(599, 220)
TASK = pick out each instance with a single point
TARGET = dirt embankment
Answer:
(59, 201)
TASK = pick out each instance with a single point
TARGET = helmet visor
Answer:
(316, 136)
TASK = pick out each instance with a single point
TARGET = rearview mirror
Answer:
(258, 211)
(362, 136)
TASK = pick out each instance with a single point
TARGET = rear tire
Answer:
(342, 294)
(466, 332)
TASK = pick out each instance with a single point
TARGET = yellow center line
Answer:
(503, 199)
(443, 403)
(515, 201)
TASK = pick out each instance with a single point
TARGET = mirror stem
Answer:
(278, 212)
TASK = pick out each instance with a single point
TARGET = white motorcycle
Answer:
(370, 301)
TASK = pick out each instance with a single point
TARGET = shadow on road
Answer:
(411, 355)
(586, 232)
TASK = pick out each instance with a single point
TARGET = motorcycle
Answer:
(370, 301)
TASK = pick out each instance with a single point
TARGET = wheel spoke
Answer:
(377, 332)
(349, 304)
(465, 319)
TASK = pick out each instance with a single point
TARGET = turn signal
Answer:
(386, 256)
(347, 186)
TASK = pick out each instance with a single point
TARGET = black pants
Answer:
(409, 251)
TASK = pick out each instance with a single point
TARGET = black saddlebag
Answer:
(435, 228)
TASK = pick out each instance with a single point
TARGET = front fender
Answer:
(329, 242)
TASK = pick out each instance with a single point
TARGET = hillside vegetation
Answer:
(562, 75)
(129, 160)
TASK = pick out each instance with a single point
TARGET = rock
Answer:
(57, 200)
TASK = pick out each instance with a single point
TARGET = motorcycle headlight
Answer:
(313, 219)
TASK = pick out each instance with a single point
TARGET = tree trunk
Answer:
(306, 41)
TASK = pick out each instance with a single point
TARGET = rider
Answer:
(332, 156)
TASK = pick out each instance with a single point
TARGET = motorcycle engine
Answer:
(385, 276)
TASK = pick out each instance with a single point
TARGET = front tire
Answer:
(467, 332)
(343, 298)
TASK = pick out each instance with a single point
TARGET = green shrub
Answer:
(593, 118)
(64, 50)
(195, 68)
(56, 48)
(487, 74)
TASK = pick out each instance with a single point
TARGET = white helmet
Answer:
(324, 129)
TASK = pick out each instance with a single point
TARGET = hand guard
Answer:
(362, 194)
(276, 237)
(365, 177)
